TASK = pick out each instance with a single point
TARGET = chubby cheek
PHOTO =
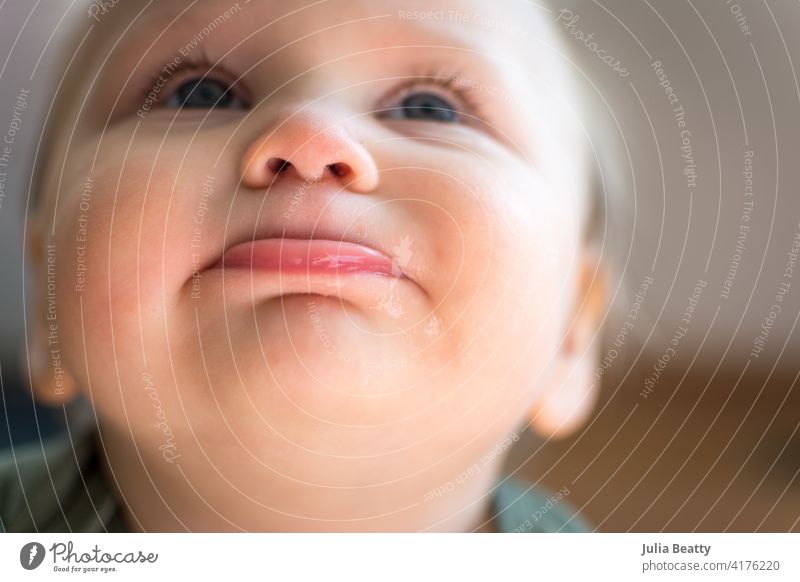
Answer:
(124, 236)
(507, 254)
(513, 279)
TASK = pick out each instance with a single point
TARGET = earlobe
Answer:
(51, 382)
(572, 388)
(569, 398)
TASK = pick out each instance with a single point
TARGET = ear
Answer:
(51, 382)
(571, 389)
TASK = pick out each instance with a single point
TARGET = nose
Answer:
(313, 144)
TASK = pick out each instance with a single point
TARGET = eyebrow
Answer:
(124, 53)
(443, 34)
(133, 20)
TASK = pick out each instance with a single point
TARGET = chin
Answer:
(317, 336)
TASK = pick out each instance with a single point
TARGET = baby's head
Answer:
(440, 153)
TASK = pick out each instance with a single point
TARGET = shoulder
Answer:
(522, 508)
(26, 473)
(55, 485)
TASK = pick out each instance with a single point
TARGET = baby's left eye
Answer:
(424, 105)
(204, 93)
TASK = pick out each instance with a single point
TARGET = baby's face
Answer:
(437, 145)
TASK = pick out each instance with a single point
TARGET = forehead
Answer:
(515, 25)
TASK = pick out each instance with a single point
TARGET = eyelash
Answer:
(201, 67)
(444, 79)
(441, 78)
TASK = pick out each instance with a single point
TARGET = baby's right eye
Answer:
(204, 93)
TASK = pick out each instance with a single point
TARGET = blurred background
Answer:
(704, 102)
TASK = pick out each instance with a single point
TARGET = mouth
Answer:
(293, 256)
(367, 273)
(353, 273)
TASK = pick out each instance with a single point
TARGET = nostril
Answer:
(278, 165)
(339, 169)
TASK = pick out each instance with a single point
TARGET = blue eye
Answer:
(204, 93)
(425, 106)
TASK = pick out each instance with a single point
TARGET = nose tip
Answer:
(299, 146)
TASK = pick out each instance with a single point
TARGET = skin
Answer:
(264, 403)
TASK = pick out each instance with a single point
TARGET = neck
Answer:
(192, 494)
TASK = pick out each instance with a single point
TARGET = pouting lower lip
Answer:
(309, 256)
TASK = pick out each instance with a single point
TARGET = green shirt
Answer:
(57, 486)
